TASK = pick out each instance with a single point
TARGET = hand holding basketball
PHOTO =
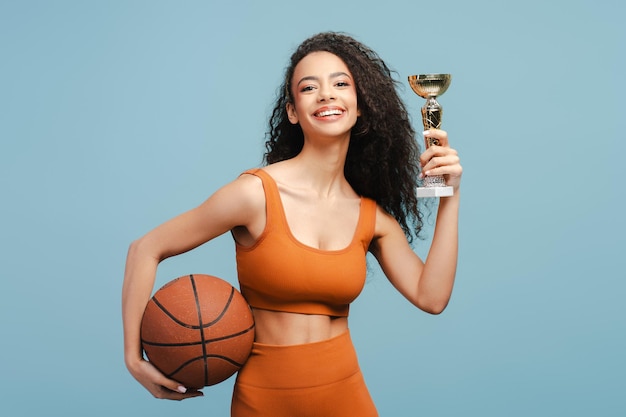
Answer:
(158, 385)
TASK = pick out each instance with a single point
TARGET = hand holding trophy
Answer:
(429, 86)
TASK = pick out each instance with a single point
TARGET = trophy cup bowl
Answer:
(429, 86)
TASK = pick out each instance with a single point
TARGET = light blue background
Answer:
(115, 116)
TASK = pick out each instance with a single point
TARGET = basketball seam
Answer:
(201, 329)
(207, 341)
(192, 326)
(183, 365)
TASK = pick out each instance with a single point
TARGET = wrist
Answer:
(133, 360)
(454, 198)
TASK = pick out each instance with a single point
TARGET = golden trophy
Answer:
(429, 86)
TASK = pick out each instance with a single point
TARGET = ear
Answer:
(291, 113)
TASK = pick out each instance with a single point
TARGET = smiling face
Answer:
(324, 96)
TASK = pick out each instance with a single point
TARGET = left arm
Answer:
(428, 285)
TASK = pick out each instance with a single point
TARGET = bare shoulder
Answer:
(279, 170)
(244, 193)
(385, 223)
(248, 208)
(248, 184)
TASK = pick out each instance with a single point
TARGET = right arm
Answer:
(238, 204)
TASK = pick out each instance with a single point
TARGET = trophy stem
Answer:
(431, 118)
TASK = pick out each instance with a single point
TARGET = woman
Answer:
(342, 168)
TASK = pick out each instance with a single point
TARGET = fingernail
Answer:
(426, 132)
(181, 389)
(421, 176)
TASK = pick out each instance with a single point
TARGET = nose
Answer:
(325, 93)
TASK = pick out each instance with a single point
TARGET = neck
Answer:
(322, 164)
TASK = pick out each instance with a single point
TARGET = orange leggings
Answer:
(321, 379)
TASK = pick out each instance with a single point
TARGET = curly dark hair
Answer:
(382, 161)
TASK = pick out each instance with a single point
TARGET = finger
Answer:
(172, 389)
(436, 151)
(448, 170)
(448, 165)
(443, 160)
(165, 393)
(194, 393)
(437, 137)
(166, 388)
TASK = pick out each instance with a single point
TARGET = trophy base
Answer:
(424, 192)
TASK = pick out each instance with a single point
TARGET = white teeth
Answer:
(329, 113)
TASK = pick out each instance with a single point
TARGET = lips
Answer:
(328, 111)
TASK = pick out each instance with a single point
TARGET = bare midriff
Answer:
(281, 328)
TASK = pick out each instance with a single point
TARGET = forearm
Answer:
(139, 278)
(437, 278)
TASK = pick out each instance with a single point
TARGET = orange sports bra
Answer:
(280, 273)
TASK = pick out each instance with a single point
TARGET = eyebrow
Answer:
(315, 78)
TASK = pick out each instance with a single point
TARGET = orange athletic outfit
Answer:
(279, 273)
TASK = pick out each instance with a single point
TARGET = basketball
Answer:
(197, 330)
